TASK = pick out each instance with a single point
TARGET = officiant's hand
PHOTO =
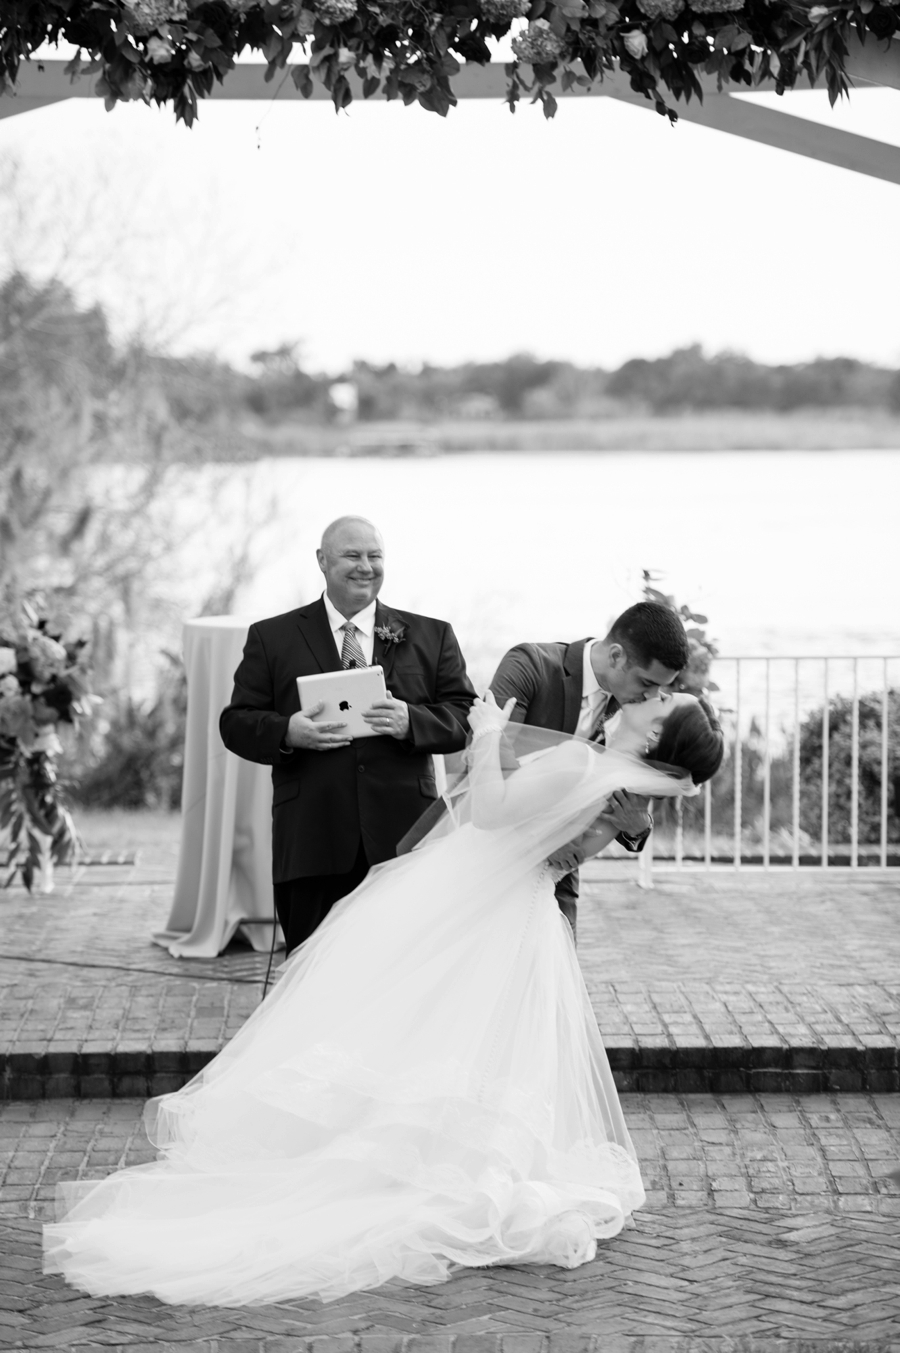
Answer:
(628, 813)
(303, 731)
(389, 717)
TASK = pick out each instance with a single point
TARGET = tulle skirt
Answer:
(425, 1088)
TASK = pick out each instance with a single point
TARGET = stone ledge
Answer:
(123, 1074)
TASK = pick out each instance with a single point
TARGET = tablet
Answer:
(347, 695)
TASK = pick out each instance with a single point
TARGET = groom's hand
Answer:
(389, 717)
(567, 858)
(303, 731)
(628, 813)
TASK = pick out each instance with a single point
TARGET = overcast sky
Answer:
(391, 234)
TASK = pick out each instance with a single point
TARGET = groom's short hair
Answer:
(650, 632)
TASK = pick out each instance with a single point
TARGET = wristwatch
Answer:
(635, 843)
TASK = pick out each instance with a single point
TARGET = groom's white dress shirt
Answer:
(594, 698)
(364, 621)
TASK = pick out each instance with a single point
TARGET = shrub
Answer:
(138, 758)
(840, 714)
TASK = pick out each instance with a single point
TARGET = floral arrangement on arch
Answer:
(43, 682)
(174, 51)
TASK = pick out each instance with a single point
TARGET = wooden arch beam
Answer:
(871, 64)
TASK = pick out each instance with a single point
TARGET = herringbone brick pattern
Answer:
(768, 1153)
(678, 1272)
(811, 1253)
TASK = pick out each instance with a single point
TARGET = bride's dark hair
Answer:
(692, 738)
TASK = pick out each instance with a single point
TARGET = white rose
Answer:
(160, 49)
(47, 741)
(636, 44)
(818, 12)
(7, 660)
(48, 658)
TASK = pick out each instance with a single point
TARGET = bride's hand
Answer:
(486, 716)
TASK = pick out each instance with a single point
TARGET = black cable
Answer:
(269, 965)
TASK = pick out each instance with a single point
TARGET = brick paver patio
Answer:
(769, 1219)
(710, 982)
(772, 1223)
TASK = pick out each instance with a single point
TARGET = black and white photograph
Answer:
(450, 676)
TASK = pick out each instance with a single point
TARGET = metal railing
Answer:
(773, 709)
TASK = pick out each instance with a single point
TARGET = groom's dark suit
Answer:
(547, 682)
(337, 812)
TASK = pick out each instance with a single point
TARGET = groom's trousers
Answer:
(567, 899)
(302, 904)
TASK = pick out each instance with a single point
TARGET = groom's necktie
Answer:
(611, 707)
(351, 653)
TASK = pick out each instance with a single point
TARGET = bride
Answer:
(426, 1087)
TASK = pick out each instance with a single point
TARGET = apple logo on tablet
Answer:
(345, 704)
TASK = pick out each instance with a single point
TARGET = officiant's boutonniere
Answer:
(391, 636)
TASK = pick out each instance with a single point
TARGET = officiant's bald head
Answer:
(351, 556)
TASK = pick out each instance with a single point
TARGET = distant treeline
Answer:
(47, 338)
(522, 387)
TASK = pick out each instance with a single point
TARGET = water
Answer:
(786, 553)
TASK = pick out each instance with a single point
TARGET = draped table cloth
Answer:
(224, 877)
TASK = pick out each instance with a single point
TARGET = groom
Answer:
(577, 688)
(340, 806)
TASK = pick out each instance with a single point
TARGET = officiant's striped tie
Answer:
(351, 653)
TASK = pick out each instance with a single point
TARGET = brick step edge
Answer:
(563, 1342)
(139, 1074)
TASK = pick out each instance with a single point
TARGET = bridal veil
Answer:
(425, 1087)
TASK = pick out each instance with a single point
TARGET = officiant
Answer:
(341, 805)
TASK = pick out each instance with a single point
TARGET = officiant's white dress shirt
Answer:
(364, 621)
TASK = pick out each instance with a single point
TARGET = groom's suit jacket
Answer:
(547, 682)
(325, 803)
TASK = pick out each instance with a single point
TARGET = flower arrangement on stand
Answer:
(43, 683)
(175, 51)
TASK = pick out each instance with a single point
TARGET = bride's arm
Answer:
(596, 838)
(487, 786)
(501, 801)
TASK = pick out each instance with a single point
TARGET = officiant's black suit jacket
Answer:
(325, 803)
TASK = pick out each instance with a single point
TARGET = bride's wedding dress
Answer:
(426, 1087)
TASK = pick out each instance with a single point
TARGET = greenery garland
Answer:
(173, 51)
(694, 678)
(43, 682)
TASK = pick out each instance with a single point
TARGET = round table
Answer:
(224, 879)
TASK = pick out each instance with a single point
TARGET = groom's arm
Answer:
(604, 829)
(517, 676)
(629, 815)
